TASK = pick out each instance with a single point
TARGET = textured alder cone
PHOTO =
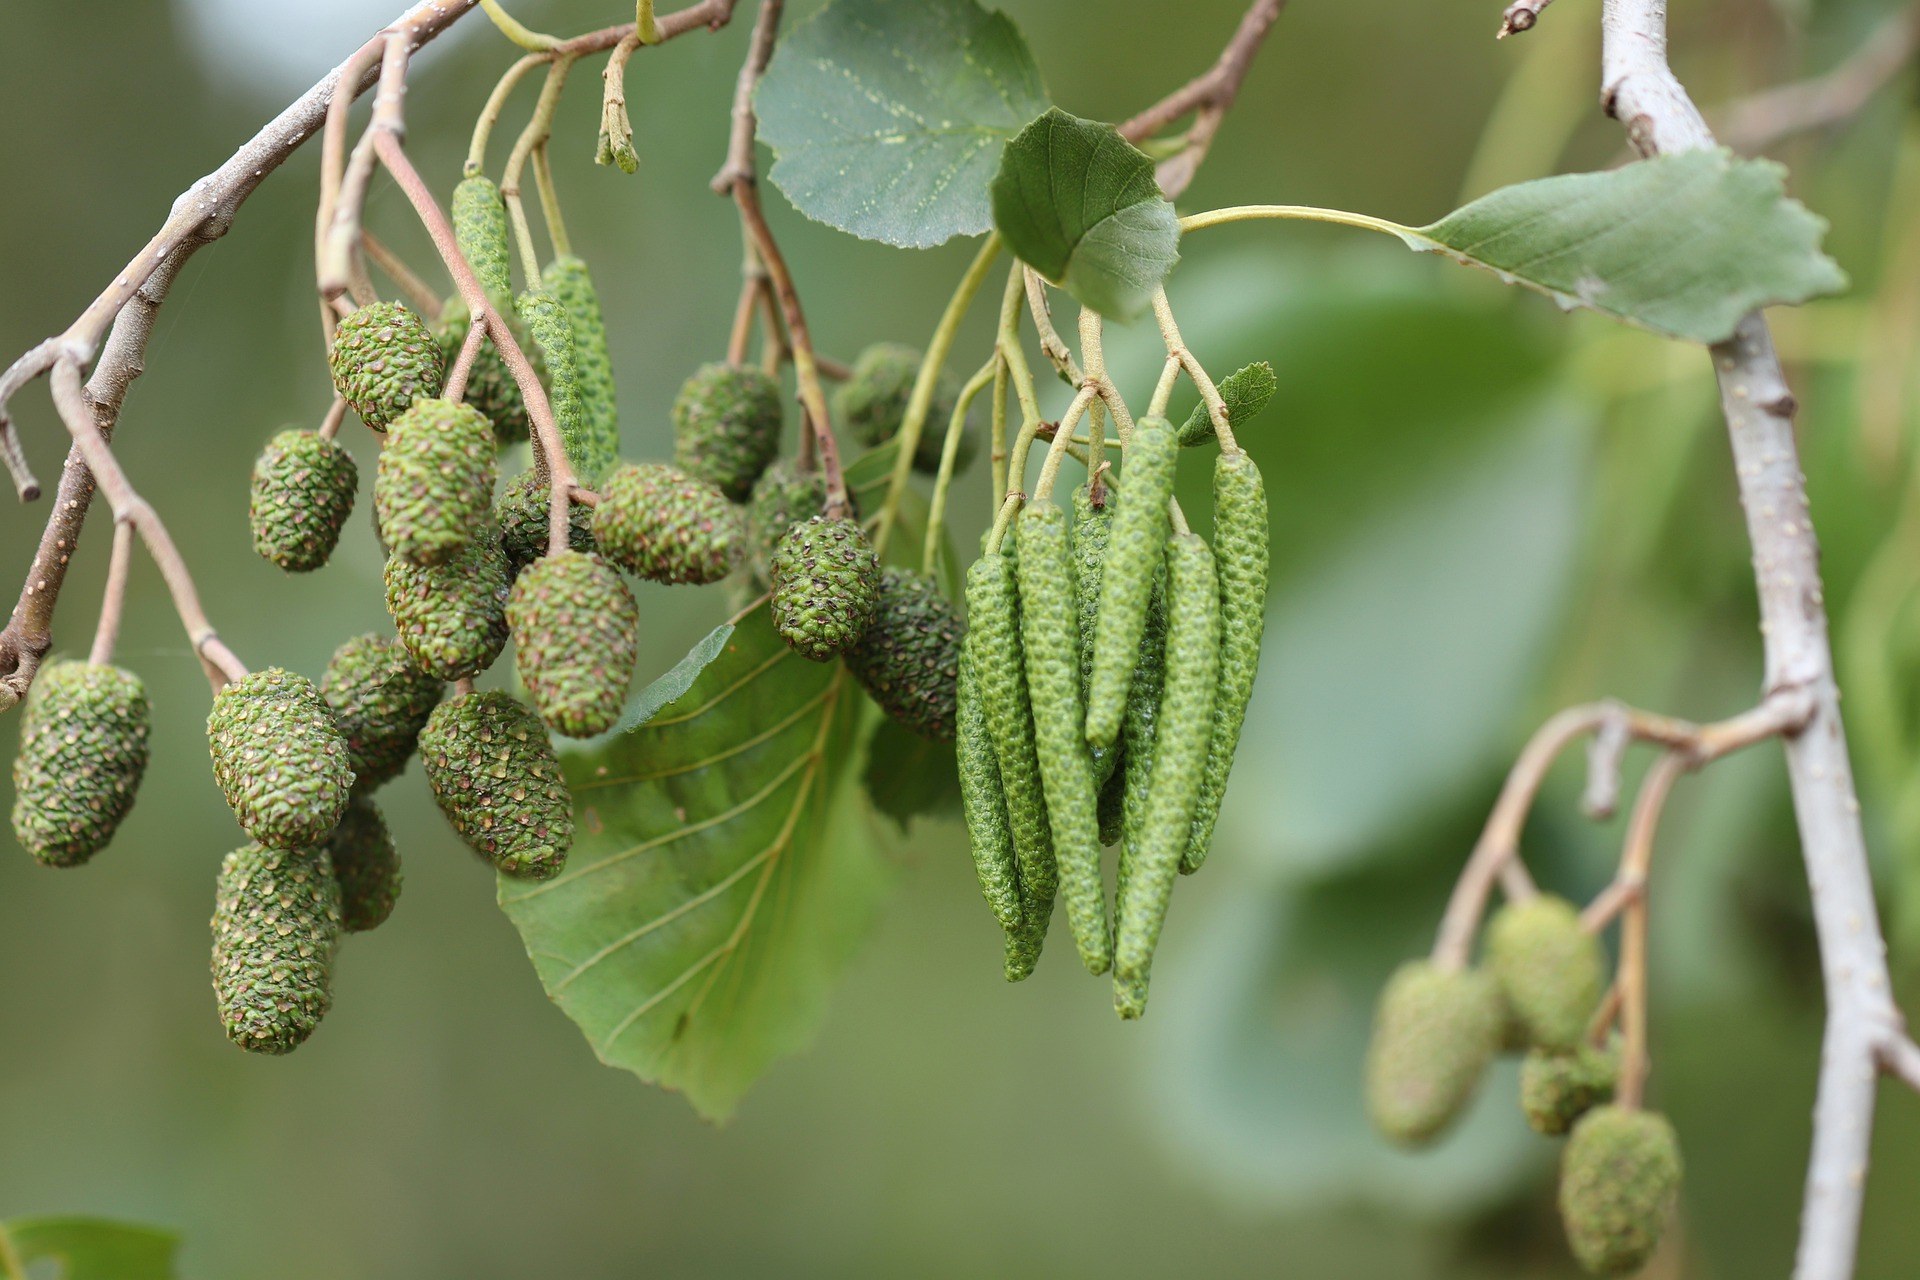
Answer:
(279, 759)
(575, 634)
(660, 523)
(384, 359)
(826, 581)
(522, 512)
(1556, 1089)
(83, 750)
(909, 658)
(783, 497)
(494, 772)
(434, 483)
(491, 387)
(366, 865)
(1433, 1035)
(726, 426)
(452, 617)
(1619, 1179)
(1551, 970)
(379, 699)
(873, 403)
(276, 922)
(302, 493)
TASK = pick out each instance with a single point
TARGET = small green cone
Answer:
(380, 700)
(826, 581)
(783, 497)
(522, 511)
(1556, 1089)
(434, 484)
(366, 865)
(909, 659)
(383, 359)
(452, 617)
(576, 639)
(279, 759)
(1433, 1034)
(302, 493)
(1552, 971)
(493, 770)
(1619, 1180)
(83, 751)
(660, 523)
(726, 427)
(872, 402)
(276, 922)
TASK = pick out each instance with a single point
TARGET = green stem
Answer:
(490, 114)
(1021, 376)
(550, 203)
(1062, 437)
(949, 457)
(997, 442)
(643, 24)
(1178, 350)
(539, 129)
(1163, 389)
(515, 30)
(908, 437)
(1299, 213)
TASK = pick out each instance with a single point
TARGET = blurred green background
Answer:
(1482, 510)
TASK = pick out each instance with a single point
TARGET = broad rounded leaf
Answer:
(1080, 205)
(722, 873)
(887, 117)
(89, 1248)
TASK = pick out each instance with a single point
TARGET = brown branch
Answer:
(1756, 123)
(1520, 16)
(1219, 84)
(456, 385)
(113, 599)
(1632, 977)
(19, 470)
(420, 295)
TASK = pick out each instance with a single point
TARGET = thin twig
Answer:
(340, 259)
(1177, 350)
(1520, 16)
(1632, 978)
(1756, 123)
(1051, 344)
(1219, 84)
(336, 414)
(456, 387)
(420, 295)
(19, 470)
(113, 599)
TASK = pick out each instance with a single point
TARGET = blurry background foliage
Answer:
(1482, 510)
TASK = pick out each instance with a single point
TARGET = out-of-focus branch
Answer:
(1758, 122)
(1520, 16)
(1206, 97)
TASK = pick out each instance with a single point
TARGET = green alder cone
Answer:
(83, 750)
(1240, 546)
(301, 495)
(1556, 1089)
(493, 770)
(992, 648)
(909, 659)
(983, 803)
(551, 328)
(1552, 971)
(1135, 550)
(279, 758)
(1619, 1181)
(1183, 728)
(872, 402)
(784, 496)
(1050, 641)
(433, 487)
(383, 359)
(522, 512)
(576, 638)
(452, 617)
(1092, 529)
(483, 233)
(380, 700)
(491, 386)
(826, 582)
(276, 924)
(726, 427)
(366, 865)
(567, 277)
(1434, 1033)
(657, 521)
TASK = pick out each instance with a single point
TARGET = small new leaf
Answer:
(887, 117)
(1080, 205)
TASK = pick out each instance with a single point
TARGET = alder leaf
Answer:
(887, 117)
(670, 684)
(723, 871)
(1684, 245)
(90, 1248)
(1079, 204)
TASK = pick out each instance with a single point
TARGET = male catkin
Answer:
(983, 802)
(1134, 552)
(491, 386)
(551, 328)
(1137, 735)
(1240, 547)
(567, 277)
(482, 232)
(83, 751)
(1182, 731)
(276, 922)
(1050, 642)
(433, 486)
(279, 759)
(1092, 529)
(576, 638)
(300, 497)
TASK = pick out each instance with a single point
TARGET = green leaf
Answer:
(887, 117)
(1684, 245)
(908, 776)
(1080, 205)
(1246, 391)
(670, 685)
(88, 1248)
(722, 874)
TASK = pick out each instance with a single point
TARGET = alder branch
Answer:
(1520, 16)
(1863, 1025)
(1758, 122)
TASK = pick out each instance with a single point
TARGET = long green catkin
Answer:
(1134, 550)
(566, 276)
(1240, 548)
(983, 803)
(551, 328)
(1136, 735)
(1050, 639)
(1182, 736)
(993, 643)
(1092, 530)
(481, 233)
